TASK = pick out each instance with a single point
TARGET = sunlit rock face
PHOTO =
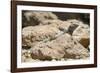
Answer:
(46, 37)
(33, 34)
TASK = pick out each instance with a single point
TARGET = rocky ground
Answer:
(45, 37)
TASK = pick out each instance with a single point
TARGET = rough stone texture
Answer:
(78, 30)
(45, 37)
(38, 33)
(56, 23)
(35, 18)
(31, 35)
(77, 51)
(63, 46)
(81, 33)
(49, 22)
(26, 54)
(65, 26)
(44, 52)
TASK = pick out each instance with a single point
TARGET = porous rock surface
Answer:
(59, 48)
(48, 38)
(33, 34)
